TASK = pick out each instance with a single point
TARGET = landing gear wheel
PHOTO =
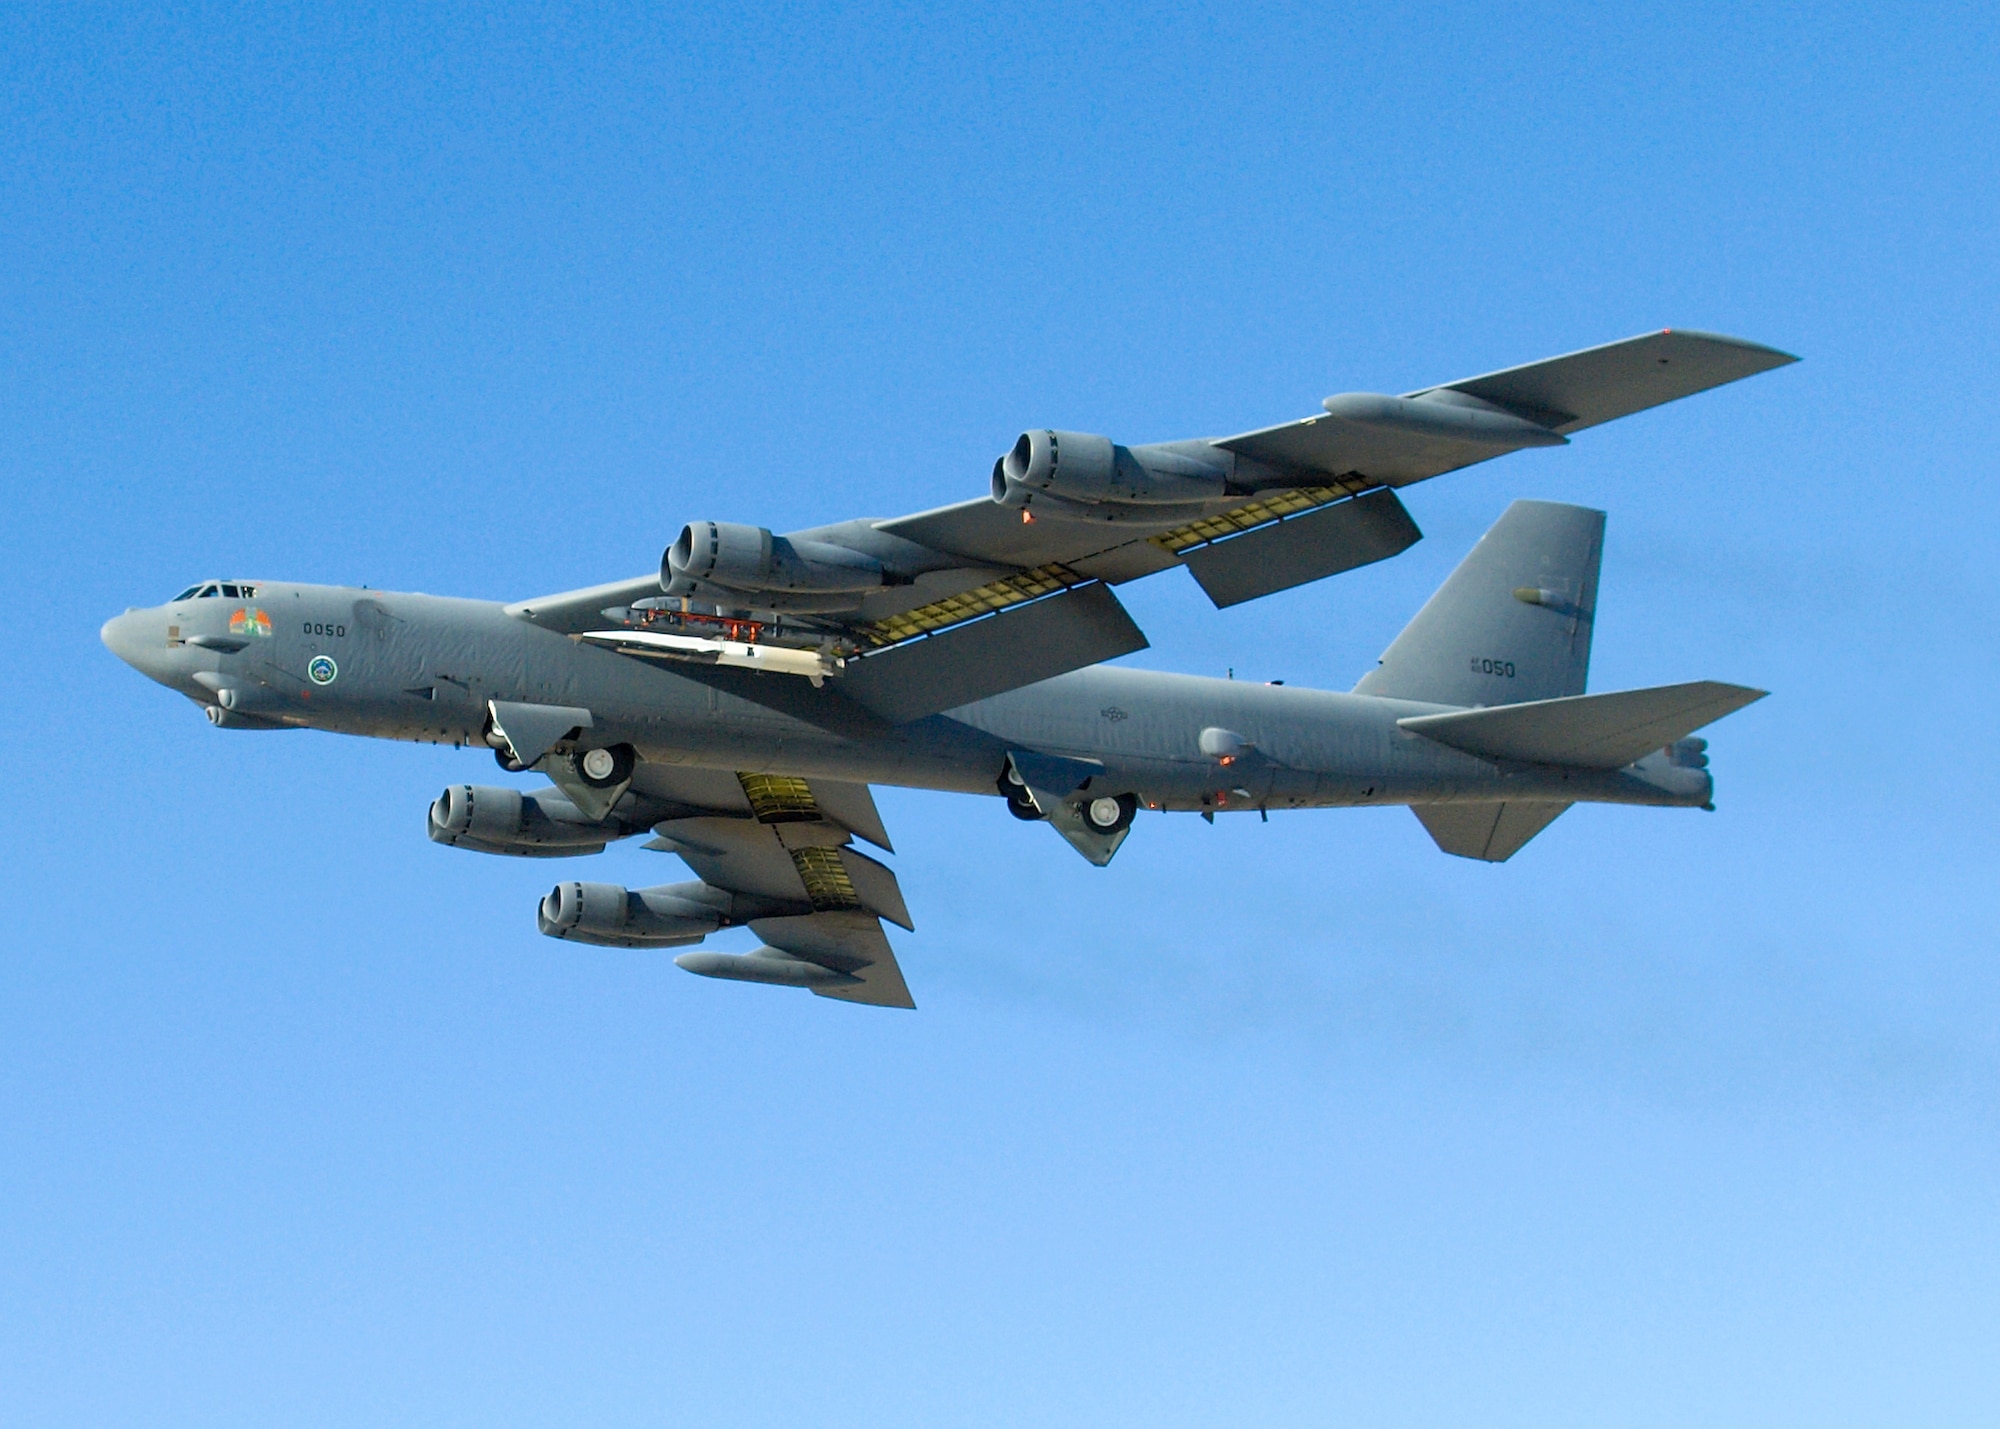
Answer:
(508, 762)
(605, 768)
(1107, 814)
(1019, 802)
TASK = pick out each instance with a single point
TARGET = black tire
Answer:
(1024, 808)
(623, 760)
(1019, 804)
(508, 762)
(1122, 808)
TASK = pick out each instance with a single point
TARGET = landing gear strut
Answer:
(1019, 803)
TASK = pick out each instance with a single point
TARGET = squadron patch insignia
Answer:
(321, 669)
(250, 621)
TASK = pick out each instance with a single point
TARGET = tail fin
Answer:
(1491, 833)
(1579, 732)
(1512, 623)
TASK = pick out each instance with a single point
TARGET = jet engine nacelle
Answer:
(669, 916)
(751, 559)
(1093, 471)
(540, 824)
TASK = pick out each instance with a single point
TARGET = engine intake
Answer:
(541, 824)
(1075, 467)
(752, 560)
(669, 916)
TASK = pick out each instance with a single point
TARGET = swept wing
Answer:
(784, 845)
(911, 615)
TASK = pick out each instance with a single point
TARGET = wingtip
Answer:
(1743, 343)
(1741, 697)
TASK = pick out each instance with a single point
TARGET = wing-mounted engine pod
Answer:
(499, 820)
(1072, 465)
(484, 815)
(751, 559)
(1075, 467)
(615, 917)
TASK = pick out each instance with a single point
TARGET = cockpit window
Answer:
(230, 591)
(236, 591)
(190, 593)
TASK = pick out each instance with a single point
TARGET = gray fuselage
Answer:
(423, 668)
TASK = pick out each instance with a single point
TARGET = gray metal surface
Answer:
(1128, 511)
(967, 666)
(1598, 384)
(1605, 731)
(1022, 646)
(1288, 553)
(1491, 833)
(1480, 641)
(1558, 395)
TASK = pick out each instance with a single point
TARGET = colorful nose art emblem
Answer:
(250, 621)
(321, 669)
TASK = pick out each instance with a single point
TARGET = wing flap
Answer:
(955, 563)
(1304, 548)
(784, 840)
(846, 942)
(1606, 731)
(736, 854)
(1082, 625)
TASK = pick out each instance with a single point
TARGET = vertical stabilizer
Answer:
(1512, 623)
(1491, 833)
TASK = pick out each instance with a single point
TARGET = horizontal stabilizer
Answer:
(1606, 731)
(1492, 833)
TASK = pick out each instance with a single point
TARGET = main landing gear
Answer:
(606, 768)
(1019, 803)
(1105, 814)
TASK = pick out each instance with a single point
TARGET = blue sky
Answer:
(1675, 1118)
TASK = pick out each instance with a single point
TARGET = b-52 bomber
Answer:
(736, 704)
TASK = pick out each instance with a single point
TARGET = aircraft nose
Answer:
(123, 635)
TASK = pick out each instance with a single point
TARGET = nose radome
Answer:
(121, 636)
